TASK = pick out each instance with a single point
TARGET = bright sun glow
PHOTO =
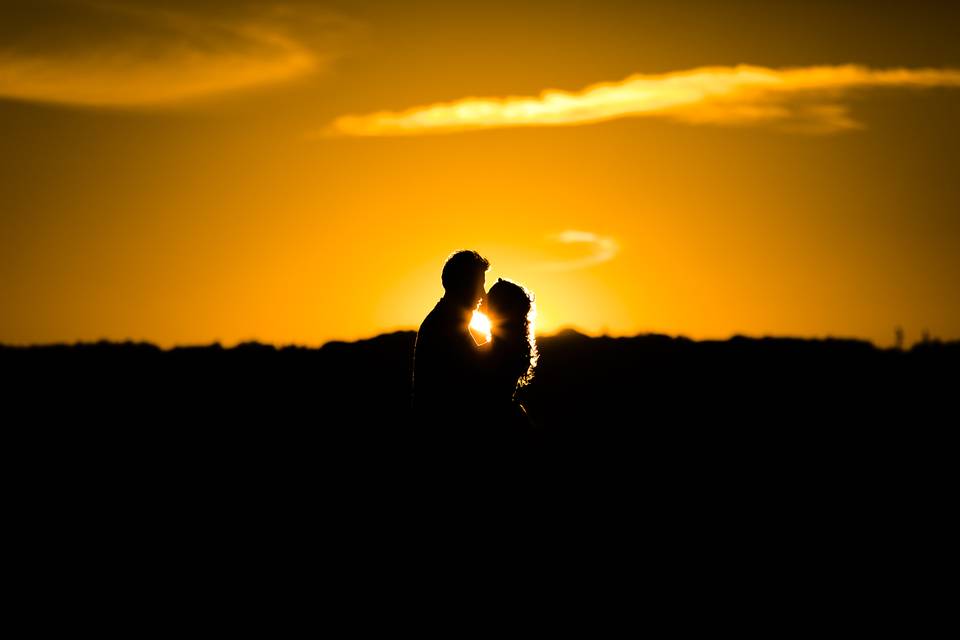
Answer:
(480, 328)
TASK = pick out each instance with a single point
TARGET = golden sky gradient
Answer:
(295, 172)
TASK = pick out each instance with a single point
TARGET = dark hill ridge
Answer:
(582, 383)
(668, 428)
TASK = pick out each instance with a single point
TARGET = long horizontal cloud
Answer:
(101, 54)
(804, 98)
(599, 249)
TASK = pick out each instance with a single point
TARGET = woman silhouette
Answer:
(510, 360)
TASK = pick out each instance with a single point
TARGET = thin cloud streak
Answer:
(601, 249)
(164, 57)
(806, 99)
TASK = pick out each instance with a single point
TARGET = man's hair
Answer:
(461, 270)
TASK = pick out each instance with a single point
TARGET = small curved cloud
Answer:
(103, 54)
(803, 99)
(599, 249)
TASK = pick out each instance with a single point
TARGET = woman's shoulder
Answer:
(517, 415)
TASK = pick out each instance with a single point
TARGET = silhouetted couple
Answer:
(464, 390)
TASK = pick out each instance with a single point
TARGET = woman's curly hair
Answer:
(513, 313)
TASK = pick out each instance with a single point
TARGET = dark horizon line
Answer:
(564, 332)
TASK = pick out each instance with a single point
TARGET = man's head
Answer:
(463, 277)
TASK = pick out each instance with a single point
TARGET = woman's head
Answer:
(512, 312)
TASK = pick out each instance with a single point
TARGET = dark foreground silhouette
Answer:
(647, 401)
(747, 459)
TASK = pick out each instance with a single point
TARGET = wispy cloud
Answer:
(598, 249)
(807, 99)
(104, 54)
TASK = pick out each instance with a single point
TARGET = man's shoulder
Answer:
(432, 317)
(445, 326)
(430, 323)
(441, 318)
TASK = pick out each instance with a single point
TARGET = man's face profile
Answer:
(481, 289)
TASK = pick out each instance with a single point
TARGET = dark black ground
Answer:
(612, 404)
(805, 476)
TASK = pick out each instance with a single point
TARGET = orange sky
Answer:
(184, 172)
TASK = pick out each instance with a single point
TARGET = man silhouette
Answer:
(445, 362)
